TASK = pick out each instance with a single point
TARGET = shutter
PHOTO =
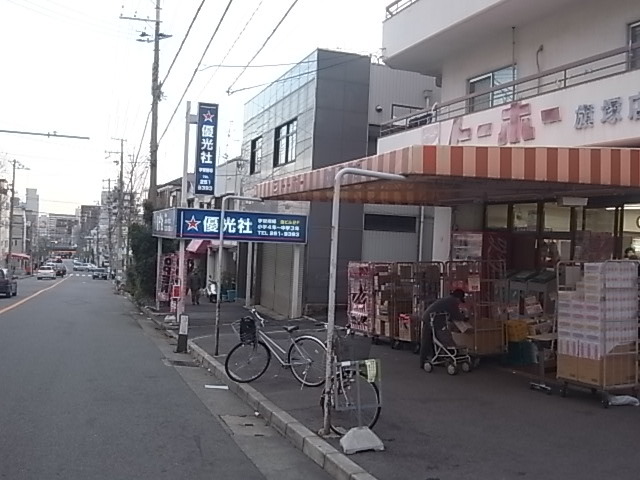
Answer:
(283, 279)
(268, 275)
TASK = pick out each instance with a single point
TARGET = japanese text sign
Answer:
(164, 223)
(206, 148)
(242, 226)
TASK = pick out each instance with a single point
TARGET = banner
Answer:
(206, 148)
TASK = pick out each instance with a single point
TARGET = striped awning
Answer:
(451, 175)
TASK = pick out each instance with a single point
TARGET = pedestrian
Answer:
(193, 284)
(449, 305)
(630, 254)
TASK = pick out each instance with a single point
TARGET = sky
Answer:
(74, 67)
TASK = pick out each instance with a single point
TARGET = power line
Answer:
(286, 14)
(186, 35)
(195, 71)
(265, 65)
(230, 49)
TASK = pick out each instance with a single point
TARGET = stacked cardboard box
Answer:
(598, 326)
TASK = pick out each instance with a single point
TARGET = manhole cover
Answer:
(179, 363)
(247, 425)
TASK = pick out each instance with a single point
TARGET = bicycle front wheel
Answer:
(344, 405)
(306, 359)
(247, 362)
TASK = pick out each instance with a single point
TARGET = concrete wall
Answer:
(595, 27)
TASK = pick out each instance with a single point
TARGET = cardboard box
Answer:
(404, 327)
(567, 367)
(481, 342)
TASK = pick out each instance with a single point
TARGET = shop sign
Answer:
(164, 223)
(242, 226)
(206, 148)
(611, 112)
(166, 276)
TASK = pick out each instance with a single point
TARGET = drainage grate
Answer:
(179, 363)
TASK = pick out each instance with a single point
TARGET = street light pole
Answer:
(333, 268)
(219, 260)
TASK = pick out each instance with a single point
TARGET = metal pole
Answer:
(219, 261)
(183, 335)
(13, 194)
(219, 274)
(249, 280)
(333, 269)
(155, 98)
(158, 271)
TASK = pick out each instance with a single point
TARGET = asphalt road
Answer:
(89, 390)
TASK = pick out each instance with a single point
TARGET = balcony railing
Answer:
(597, 67)
(398, 6)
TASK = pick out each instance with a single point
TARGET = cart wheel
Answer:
(465, 367)
(452, 369)
(428, 367)
(563, 391)
(605, 400)
(395, 344)
(416, 348)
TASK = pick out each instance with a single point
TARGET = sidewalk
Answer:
(483, 425)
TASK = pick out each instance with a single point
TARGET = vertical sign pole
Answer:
(183, 334)
(219, 274)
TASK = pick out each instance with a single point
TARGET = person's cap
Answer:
(459, 294)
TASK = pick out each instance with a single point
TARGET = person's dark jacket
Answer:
(449, 304)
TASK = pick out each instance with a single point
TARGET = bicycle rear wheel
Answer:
(247, 362)
(306, 357)
(344, 408)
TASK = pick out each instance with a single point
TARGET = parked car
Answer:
(46, 271)
(8, 283)
(91, 267)
(100, 273)
(80, 267)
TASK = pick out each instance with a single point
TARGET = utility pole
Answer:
(14, 165)
(119, 214)
(156, 95)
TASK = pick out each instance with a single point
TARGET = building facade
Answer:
(517, 73)
(326, 110)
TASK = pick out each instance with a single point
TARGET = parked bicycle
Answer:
(250, 358)
(354, 396)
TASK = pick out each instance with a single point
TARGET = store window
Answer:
(488, 81)
(599, 220)
(557, 219)
(389, 223)
(256, 155)
(497, 216)
(525, 217)
(285, 143)
(634, 53)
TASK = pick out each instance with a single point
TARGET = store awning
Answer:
(453, 175)
(201, 246)
(21, 256)
(198, 246)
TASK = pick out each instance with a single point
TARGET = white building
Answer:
(518, 73)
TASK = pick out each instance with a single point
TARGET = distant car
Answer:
(8, 283)
(58, 260)
(61, 270)
(91, 267)
(46, 271)
(100, 273)
(81, 267)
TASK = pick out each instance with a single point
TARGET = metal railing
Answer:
(597, 67)
(397, 6)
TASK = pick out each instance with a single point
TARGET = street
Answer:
(90, 390)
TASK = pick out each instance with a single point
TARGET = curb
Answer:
(335, 463)
(327, 457)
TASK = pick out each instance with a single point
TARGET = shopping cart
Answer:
(445, 350)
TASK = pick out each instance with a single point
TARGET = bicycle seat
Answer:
(291, 328)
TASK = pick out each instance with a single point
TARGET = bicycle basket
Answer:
(247, 330)
(353, 347)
